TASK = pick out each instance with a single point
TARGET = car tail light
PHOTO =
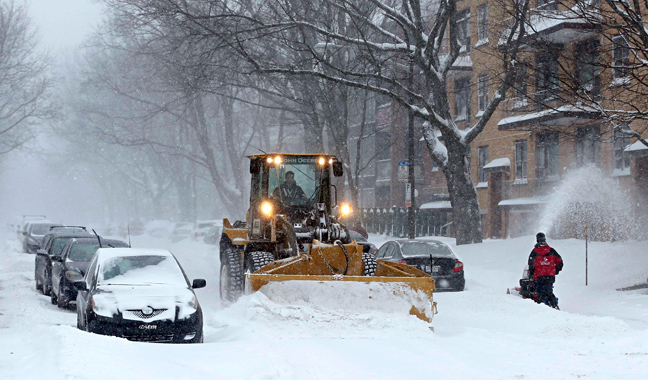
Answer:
(196, 234)
(402, 262)
(458, 266)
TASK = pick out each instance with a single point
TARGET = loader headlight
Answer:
(330, 161)
(266, 208)
(345, 210)
(321, 161)
(277, 160)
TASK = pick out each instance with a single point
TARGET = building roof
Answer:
(498, 164)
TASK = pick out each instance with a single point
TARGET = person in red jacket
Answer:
(544, 264)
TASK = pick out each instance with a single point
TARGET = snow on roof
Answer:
(635, 147)
(498, 163)
(438, 205)
(567, 110)
(526, 201)
(124, 252)
(542, 20)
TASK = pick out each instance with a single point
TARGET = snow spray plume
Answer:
(586, 197)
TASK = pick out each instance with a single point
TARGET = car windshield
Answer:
(40, 229)
(435, 249)
(356, 236)
(142, 270)
(58, 245)
(306, 175)
(82, 252)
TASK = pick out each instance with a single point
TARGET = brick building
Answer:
(538, 135)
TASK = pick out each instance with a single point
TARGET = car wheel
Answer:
(231, 278)
(53, 297)
(61, 300)
(370, 264)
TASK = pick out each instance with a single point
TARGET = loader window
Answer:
(303, 191)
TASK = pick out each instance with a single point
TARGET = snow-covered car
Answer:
(202, 228)
(159, 228)
(181, 231)
(71, 265)
(367, 247)
(140, 295)
(213, 235)
(33, 234)
(431, 256)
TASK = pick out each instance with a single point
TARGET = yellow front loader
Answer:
(293, 235)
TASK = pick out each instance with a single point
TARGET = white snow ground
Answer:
(480, 333)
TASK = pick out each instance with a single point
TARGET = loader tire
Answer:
(369, 264)
(257, 260)
(232, 280)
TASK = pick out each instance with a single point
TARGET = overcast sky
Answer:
(64, 24)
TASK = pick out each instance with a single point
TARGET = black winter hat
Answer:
(541, 238)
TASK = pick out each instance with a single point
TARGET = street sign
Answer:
(403, 171)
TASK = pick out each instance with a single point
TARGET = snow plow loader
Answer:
(293, 241)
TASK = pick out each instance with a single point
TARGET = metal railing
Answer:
(393, 222)
(526, 188)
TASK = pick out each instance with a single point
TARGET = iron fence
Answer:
(394, 222)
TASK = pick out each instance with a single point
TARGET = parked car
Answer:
(33, 234)
(52, 244)
(431, 256)
(202, 228)
(141, 295)
(159, 228)
(213, 235)
(72, 264)
(367, 247)
(181, 231)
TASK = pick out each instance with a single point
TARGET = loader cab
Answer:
(292, 183)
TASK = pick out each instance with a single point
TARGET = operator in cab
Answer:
(289, 191)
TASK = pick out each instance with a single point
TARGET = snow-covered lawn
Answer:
(481, 333)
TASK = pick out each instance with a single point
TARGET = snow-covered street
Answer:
(481, 333)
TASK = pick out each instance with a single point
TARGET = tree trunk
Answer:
(466, 217)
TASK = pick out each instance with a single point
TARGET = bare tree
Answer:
(23, 83)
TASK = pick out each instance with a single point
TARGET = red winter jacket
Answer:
(544, 264)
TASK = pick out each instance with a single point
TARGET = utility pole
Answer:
(411, 217)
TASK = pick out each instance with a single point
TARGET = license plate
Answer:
(425, 268)
(436, 268)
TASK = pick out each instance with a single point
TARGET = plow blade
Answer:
(327, 274)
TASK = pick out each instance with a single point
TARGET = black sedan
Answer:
(71, 265)
(140, 295)
(431, 256)
(52, 245)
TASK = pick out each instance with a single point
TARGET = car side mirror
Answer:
(41, 252)
(255, 166)
(81, 285)
(58, 259)
(199, 283)
(338, 169)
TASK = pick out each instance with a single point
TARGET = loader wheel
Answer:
(231, 276)
(369, 264)
(257, 260)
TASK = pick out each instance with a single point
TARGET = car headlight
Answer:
(73, 275)
(194, 303)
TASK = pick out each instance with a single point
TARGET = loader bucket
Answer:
(323, 268)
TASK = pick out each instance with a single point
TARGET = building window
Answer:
(462, 99)
(588, 73)
(482, 24)
(547, 156)
(521, 160)
(547, 77)
(383, 144)
(621, 160)
(520, 87)
(548, 4)
(482, 92)
(463, 30)
(588, 145)
(482, 161)
(621, 57)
